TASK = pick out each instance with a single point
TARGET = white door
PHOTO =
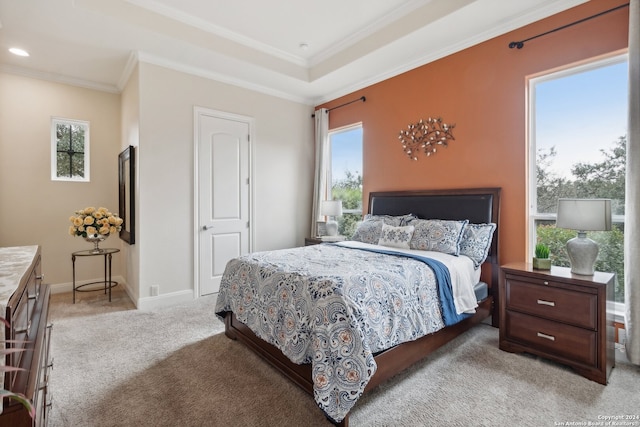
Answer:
(223, 158)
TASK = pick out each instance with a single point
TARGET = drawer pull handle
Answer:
(547, 337)
(549, 303)
(34, 296)
(40, 277)
(546, 283)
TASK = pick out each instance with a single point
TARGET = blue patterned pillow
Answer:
(396, 237)
(369, 230)
(437, 235)
(476, 241)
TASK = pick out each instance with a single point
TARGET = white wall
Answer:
(154, 113)
(130, 135)
(282, 164)
(34, 210)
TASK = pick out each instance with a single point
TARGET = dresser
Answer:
(560, 316)
(24, 301)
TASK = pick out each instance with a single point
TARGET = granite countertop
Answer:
(14, 263)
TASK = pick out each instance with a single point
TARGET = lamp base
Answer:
(332, 228)
(582, 252)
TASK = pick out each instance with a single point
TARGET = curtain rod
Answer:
(521, 43)
(362, 98)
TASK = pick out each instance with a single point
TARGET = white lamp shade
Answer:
(584, 214)
(331, 208)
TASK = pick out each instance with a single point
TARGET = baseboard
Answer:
(146, 303)
(165, 300)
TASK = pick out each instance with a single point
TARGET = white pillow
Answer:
(396, 237)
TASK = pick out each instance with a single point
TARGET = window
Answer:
(345, 175)
(69, 150)
(578, 149)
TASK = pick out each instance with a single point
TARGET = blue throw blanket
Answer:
(443, 279)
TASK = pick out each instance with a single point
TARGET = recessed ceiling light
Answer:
(304, 46)
(18, 51)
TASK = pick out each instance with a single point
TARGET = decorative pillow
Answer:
(476, 241)
(396, 237)
(396, 221)
(437, 235)
(369, 230)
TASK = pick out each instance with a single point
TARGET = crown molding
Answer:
(512, 24)
(201, 24)
(132, 61)
(220, 77)
(58, 78)
(367, 31)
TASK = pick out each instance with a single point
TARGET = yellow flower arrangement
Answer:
(90, 222)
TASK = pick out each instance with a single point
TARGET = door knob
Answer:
(207, 227)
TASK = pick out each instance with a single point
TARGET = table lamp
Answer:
(583, 215)
(332, 209)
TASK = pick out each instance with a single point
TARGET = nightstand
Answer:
(326, 239)
(308, 241)
(560, 316)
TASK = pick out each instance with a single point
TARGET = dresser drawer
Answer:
(20, 330)
(563, 305)
(565, 341)
(27, 310)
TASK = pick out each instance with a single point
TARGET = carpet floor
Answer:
(118, 366)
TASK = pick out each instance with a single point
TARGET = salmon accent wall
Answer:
(483, 91)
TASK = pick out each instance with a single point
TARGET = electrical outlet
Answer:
(155, 290)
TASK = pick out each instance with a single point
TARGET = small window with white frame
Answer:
(69, 150)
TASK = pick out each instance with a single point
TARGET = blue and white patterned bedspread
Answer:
(333, 307)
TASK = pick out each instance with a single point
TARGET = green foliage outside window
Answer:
(349, 190)
(602, 179)
(70, 147)
(610, 255)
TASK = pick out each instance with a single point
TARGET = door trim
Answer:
(197, 113)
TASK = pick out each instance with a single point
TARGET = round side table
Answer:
(107, 282)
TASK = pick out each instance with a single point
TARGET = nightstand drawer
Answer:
(566, 341)
(576, 308)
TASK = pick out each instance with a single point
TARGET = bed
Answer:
(338, 319)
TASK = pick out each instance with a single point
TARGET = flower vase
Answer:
(96, 239)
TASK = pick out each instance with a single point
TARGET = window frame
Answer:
(533, 217)
(55, 121)
(329, 177)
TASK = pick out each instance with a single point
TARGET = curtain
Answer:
(632, 195)
(321, 167)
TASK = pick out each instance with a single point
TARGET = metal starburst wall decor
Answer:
(425, 136)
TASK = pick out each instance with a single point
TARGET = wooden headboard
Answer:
(478, 205)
